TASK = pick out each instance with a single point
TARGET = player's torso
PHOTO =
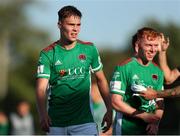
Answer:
(70, 65)
(70, 86)
(147, 76)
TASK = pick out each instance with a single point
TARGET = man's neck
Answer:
(142, 61)
(68, 45)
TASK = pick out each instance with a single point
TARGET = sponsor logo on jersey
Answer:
(82, 57)
(58, 62)
(135, 77)
(62, 72)
(72, 71)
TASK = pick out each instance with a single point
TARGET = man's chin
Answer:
(71, 40)
(150, 58)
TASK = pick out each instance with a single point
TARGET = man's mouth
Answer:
(74, 35)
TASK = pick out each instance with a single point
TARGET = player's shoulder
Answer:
(50, 47)
(125, 62)
(156, 66)
(87, 43)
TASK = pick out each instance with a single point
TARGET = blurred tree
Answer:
(20, 43)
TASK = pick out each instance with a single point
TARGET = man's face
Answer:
(70, 28)
(148, 47)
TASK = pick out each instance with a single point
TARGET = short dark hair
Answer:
(145, 31)
(68, 11)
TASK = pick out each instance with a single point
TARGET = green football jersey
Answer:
(124, 77)
(69, 74)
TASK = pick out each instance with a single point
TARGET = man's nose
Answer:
(75, 27)
(154, 48)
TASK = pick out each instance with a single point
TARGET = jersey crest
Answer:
(82, 57)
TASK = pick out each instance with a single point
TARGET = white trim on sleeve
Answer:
(118, 91)
(46, 75)
(97, 68)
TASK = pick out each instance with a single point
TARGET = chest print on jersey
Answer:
(62, 73)
(155, 77)
(82, 57)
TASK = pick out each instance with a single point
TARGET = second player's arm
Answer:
(173, 92)
(120, 106)
(104, 91)
(151, 94)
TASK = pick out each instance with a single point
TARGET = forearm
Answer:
(128, 110)
(41, 87)
(41, 102)
(173, 92)
(163, 64)
(119, 105)
(104, 91)
(169, 75)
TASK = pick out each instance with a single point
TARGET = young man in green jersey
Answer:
(170, 75)
(134, 114)
(64, 69)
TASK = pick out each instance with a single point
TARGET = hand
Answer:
(149, 94)
(45, 122)
(152, 129)
(164, 43)
(107, 133)
(148, 117)
(108, 120)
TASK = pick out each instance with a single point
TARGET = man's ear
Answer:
(59, 24)
(137, 47)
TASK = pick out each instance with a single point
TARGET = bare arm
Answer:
(170, 75)
(104, 91)
(41, 87)
(151, 94)
(173, 92)
(119, 105)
